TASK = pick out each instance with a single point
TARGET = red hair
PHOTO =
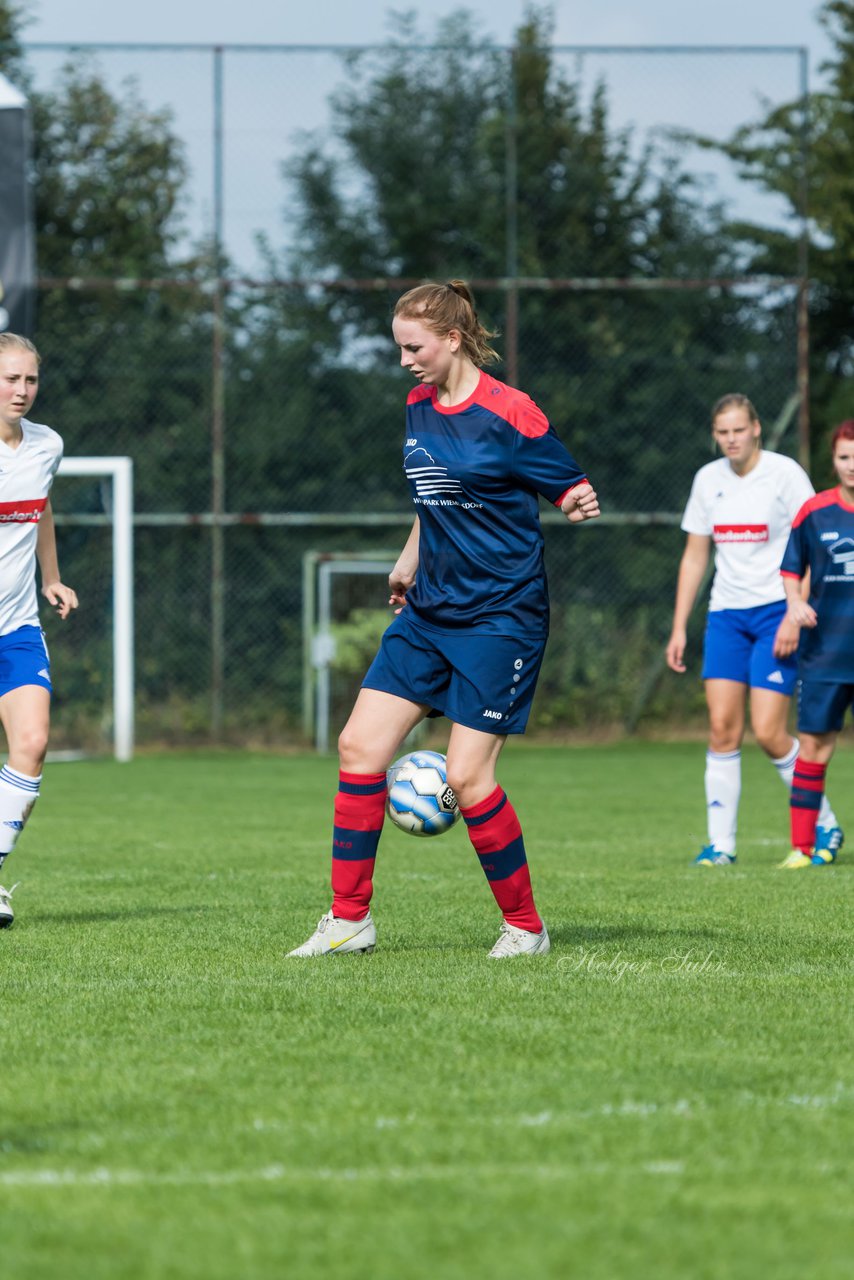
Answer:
(845, 431)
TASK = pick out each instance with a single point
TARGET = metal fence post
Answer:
(218, 418)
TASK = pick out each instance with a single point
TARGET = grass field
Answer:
(668, 1094)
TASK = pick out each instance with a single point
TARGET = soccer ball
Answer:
(420, 801)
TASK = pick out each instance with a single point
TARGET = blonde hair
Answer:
(444, 307)
(10, 341)
(735, 400)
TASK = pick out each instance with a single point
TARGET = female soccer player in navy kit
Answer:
(472, 616)
(29, 457)
(821, 543)
(744, 502)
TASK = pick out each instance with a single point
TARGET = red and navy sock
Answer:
(497, 838)
(805, 803)
(359, 813)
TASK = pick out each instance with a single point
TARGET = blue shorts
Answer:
(24, 660)
(822, 707)
(739, 646)
(480, 681)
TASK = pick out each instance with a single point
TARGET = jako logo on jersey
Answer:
(493, 715)
(740, 533)
(829, 537)
(410, 444)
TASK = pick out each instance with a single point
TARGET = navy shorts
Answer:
(822, 707)
(23, 660)
(484, 682)
(739, 646)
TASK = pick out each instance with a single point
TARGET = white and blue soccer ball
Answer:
(420, 801)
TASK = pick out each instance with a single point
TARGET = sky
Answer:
(272, 99)
(366, 21)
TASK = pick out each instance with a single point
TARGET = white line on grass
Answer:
(58, 1179)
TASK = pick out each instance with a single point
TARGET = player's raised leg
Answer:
(25, 715)
(368, 743)
(496, 835)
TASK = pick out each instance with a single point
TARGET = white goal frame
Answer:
(318, 570)
(120, 472)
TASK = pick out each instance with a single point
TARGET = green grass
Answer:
(668, 1094)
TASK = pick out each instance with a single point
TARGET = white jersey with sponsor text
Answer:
(748, 518)
(26, 475)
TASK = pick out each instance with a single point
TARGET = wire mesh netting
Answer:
(249, 371)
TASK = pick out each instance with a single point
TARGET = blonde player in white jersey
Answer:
(29, 457)
(745, 503)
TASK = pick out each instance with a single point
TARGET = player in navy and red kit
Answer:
(29, 456)
(472, 613)
(742, 503)
(821, 543)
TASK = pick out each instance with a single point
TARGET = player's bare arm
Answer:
(695, 560)
(61, 597)
(403, 574)
(800, 612)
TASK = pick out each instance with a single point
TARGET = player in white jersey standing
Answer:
(29, 457)
(745, 503)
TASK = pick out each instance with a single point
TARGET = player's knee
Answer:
(349, 748)
(468, 785)
(772, 741)
(724, 736)
(29, 749)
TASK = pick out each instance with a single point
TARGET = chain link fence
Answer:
(260, 435)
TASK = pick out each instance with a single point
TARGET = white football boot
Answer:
(520, 942)
(335, 937)
(7, 915)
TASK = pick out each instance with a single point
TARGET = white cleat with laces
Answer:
(520, 942)
(7, 915)
(336, 937)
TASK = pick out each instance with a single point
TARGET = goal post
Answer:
(120, 471)
(320, 570)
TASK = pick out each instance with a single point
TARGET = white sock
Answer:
(723, 789)
(18, 794)
(785, 766)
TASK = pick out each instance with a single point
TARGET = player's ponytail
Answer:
(443, 307)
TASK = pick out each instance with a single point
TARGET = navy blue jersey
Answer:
(475, 470)
(822, 540)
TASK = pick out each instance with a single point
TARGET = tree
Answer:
(771, 154)
(414, 183)
(12, 22)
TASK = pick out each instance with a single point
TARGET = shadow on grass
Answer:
(580, 935)
(118, 914)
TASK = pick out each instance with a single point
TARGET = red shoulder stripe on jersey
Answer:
(421, 392)
(27, 511)
(516, 408)
(827, 498)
